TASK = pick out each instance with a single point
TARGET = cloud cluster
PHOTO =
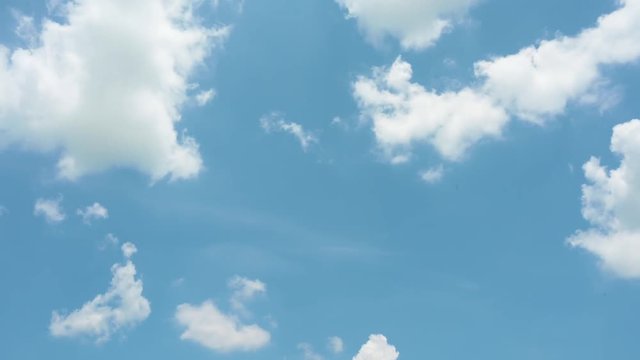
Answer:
(377, 348)
(122, 306)
(274, 122)
(534, 84)
(208, 326)
(105, 86)
(611, 204)
(417, 24)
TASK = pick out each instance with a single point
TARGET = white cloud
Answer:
(432, 175)
(244, 290)
(93, 212)
(537, 82)
(404, 113)
(50, 209)
(377, 348)
(122, 306)
(105, 87)
(204, 97)
(3, 210)
(534, 84)
(335, 344)
(417, 24)
(275, 123)
(611, 204)
(209, 327)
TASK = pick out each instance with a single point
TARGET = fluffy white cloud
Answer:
(105, 86)
(243, 291)
(432, 175)
(122, 306)
(335, 344)
(417, 24)
(208, 326)
(538, 81)
(50, 209)
(404, 113)
(275, 123)
(308, 353)
(93, 212)
(533, 84)
(611, 203)
(377, 348)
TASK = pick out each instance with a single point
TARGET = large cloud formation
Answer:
(104, 87)
(535, 84)
(611, 204)
(417, 24)
(122, 306)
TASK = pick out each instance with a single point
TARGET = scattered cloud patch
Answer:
(611, 204)
(335, 345)
(535, 84)
(274, 122)
(93, 212)
(204, 97)
(124, 67)
(308, 353)
(50, 209)
(3, 211)
(122, 306)
(208, 326)
(417, 24)
(377, 348)
(244, 290)
(432, 175)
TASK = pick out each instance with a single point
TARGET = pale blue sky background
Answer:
(473, 267)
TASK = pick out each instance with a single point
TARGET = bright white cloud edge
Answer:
(611, 204)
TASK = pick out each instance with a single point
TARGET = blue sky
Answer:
(319, 179)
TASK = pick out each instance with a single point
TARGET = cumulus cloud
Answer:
(335, 344)
(208, 326)
(611, 204)
(535, 84)
(538, 81)
(404, 113)
(104, 87)
(50, 209)
(122, 306)
(93, 212)
(274, 122)
(377, 348)
(417, 24)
